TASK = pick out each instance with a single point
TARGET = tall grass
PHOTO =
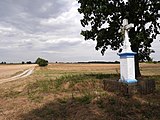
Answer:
(82, 83)
(74, 79)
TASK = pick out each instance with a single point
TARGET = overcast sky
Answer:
(49, 29)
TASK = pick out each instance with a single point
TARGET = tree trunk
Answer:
(137, 69)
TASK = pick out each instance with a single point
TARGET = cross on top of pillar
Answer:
(126, 27)
(125, 1)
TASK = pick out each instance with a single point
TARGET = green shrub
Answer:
(41, 62)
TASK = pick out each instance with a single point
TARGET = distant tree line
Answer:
(39, 61)
(28, 62)
(100, 62)
(43, 62)
(115, 62)
(3, 63)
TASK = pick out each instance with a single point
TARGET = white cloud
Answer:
(69, 19)
(44, 28)
(6, 29)
(46, 7)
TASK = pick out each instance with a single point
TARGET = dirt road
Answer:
(7, 71)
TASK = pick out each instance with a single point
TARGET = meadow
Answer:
(75, 92)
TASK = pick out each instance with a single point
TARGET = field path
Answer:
(21, 75)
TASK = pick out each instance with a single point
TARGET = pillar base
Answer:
(128, 81)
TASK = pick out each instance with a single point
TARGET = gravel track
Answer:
(16, 77)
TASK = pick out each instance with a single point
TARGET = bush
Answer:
(29, 62)
(41, 62)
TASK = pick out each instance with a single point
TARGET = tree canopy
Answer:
(104, 20)
(41, 62)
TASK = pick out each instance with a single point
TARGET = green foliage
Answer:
(44, 86)
(34, 90)
(85, 98)
(41, 62)
(103, 19)
(12, 94)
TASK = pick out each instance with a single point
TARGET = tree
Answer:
(104, 20)
(41, 62)
(29, 62)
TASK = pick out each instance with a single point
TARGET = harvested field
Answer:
(85, 68)
(149, 69)
(75, 92)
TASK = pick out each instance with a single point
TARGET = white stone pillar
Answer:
(127, 67)
(127, 64)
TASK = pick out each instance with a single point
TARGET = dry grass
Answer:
(75, 92)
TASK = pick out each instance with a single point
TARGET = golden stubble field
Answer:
(72, 91)
(146, 69)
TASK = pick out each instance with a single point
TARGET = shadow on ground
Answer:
(65, 111)
(107, 108)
